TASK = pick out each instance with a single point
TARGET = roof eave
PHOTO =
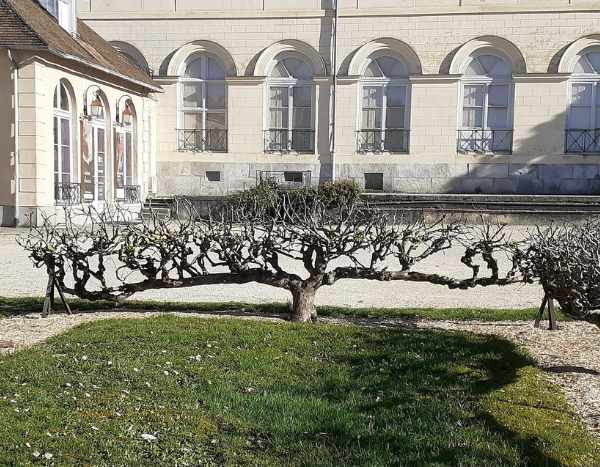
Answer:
(106, 70)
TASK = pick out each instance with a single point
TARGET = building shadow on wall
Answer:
(538, 165)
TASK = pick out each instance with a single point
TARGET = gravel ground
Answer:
(569, 357)
(18, 278)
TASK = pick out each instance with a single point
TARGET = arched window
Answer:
(126, 189)
(384, 104)
(203, 105)
(65, 190)
(94, 147)
(487, 102)
(583, 122)
(290, 119)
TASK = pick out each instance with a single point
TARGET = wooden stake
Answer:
(49, 302)
(540, 315)
(552, 315)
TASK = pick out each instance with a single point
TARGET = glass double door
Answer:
(93, 163)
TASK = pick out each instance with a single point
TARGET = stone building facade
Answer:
(452, 96)
(76, 118)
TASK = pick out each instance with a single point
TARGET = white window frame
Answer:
(126, 130)
(99, 124)
(486, 82)
(384, 84)
(58, 116)
(203, 110)
(594, 105)
(290, 84)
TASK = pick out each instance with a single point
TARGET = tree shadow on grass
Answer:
(433, 383)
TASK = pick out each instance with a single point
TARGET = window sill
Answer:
(192, 151)
(383, 153)
(290, 153)
(484, 154)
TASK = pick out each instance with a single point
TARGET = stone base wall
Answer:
(190, 178)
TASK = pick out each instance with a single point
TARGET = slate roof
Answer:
(24, 24)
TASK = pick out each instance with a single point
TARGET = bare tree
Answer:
(565, 259)
(297, 241)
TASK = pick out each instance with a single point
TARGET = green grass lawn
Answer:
(232, 392)
(16, 306)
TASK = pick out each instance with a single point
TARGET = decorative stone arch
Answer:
(385, 46)
(133, 54)
(181, 55)
(488, 44)
(575, 50)
(267, 56)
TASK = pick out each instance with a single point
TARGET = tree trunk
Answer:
(303, 305)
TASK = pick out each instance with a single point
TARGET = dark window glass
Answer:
(293, 177)
(213, 176)
(374, 181)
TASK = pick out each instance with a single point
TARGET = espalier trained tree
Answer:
(299, 241)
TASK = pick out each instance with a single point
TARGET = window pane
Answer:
(302, 118)
(64, 98)
(129, 159)
(372, 96)
(279, 118)
(472, 118)
(582, 94)
(215, 121)
(101, 140)
(302, 97)
(278, 97)
(66, 164)
(498, 118)
(192, 95)
(579, 118)
(56, 167)
(56, 98)
(371, 119)
(192, 121)
(215, 95)
(100, 164)
(498, 96)
(396, 96)
(65, 133)
(474, 95)
(55, 130)
(395, 117)
(120, 159)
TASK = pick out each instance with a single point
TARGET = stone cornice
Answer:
(550, 6)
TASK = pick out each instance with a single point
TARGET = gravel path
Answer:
(18, 279)
(569, 357)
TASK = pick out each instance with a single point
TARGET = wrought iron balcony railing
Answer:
(285, 180)
(380, 141)
(130, 194)
(582, 141)
(301, 141)
(480, 141)
(67, 194)
(209, 140)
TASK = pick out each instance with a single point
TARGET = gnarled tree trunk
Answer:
(303, 305)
